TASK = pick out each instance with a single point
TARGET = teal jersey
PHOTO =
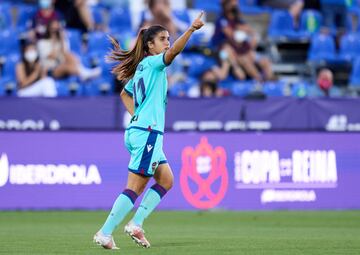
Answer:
(148, 87)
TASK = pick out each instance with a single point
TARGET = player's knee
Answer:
(167, 183)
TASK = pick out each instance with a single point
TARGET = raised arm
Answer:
(180, 43)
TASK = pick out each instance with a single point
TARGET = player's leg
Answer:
(135, 142)
(122, 206)
(153, 196)
(164, 181)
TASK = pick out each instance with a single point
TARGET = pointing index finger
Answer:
(200, 15)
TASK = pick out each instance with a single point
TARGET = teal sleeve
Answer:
(129, 87)
(158, 61)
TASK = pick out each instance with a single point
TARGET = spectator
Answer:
(228, 65)
(31, 77)
(42, 18)
(294, 7)
(161, 13)
(57, 58)
(325, 80)
(237, 38)
(77, 14)
(208, 85)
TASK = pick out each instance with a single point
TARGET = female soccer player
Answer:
(144, 96)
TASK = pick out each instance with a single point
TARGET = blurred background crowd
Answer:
(248, 48)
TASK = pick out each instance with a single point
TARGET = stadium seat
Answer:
(75, 40)
(182, 15)
(242, 88)
(275, 89)
(182, 88)
(9, 42)
(5, 17)
(350, 46)
(98, 42)
(119, 19)
(97, 15)
(310, 21)
(300, 89)
(281, 27)
(208, 6)
(355, 74)
(8, 78)
(10, 66)
(198, 64)
(251, 7)
(25, 15)
(322, 48)
(69, 87)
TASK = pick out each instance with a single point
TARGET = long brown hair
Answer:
(129, 59)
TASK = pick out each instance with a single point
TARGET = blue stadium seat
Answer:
(5, 17)
(69, 87)
(75, 40)
(322, 48)
(97, 15)
(25, 15)
(98, 87)
(208, 6)
(182, 88)
(10, 66)
(281, 27)
(98, 42)
(355, 74)
(9, 42)
(7, 86)
(198, 64)
(119, 19)
(182, 15)
(310, 21)
(275, 88)
(242, 88)
(252, 7)
(350, 46)
(300, 89)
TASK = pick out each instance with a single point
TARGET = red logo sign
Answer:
(204, 193)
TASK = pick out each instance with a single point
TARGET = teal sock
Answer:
(122, 206)
(151, 199)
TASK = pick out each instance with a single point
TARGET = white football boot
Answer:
(105, 241)
(137, 234)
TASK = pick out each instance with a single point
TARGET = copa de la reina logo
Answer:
(49, 174)
(204, 176)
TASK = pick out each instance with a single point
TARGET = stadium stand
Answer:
(297, 52)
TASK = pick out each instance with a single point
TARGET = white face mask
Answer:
(240, 36)
(31, 55)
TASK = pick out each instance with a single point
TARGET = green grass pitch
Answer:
(185, 233)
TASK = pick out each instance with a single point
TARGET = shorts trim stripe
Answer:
(128, 92)
(163, 162)
(146, 129)
(140, 172)
(147, 153)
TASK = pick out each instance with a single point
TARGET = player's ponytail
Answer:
(130, 59)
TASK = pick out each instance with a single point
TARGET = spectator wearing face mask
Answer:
(325, 80)
(31, 77)
(42, 18)
(234, 36)
(56, 56)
